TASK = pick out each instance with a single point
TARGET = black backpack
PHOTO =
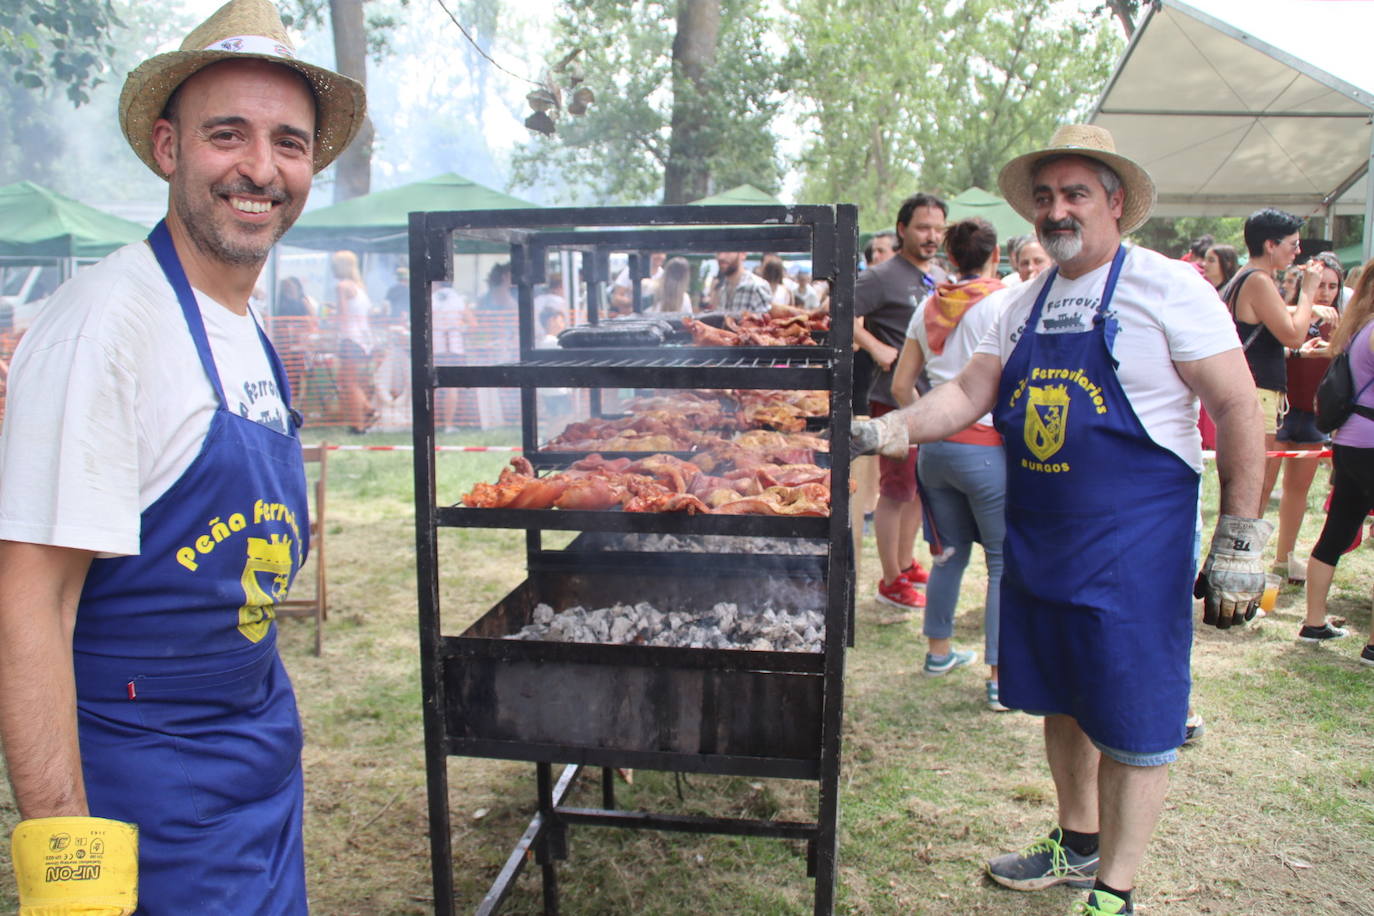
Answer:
(1336, 395)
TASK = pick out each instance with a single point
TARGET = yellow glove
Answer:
(76, 866)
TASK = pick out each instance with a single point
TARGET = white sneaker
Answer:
(1297, 570)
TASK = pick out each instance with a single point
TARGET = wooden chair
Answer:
(317, 606)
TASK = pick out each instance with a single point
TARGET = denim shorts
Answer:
(1127, 758)
(1299, 427)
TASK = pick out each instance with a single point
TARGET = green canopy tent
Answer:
(39, 226)
(737, 196)
(379, 222)
(977, 202)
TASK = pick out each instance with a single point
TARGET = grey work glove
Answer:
(886, 435)
(1232, 578)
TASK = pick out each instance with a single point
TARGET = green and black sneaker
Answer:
(1042, 864)
(1104, 903)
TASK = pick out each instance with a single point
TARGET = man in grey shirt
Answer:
(884, 298)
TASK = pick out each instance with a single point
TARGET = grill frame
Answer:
(462, 673)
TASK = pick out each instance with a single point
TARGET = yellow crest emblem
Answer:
(271, 558)
(1047, 417)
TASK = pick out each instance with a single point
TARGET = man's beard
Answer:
(1060, 248)
(209, 236)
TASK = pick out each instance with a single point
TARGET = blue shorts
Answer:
(1300, 428)
(1128, 758)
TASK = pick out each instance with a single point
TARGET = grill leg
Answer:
(608, 788)
(547, 843)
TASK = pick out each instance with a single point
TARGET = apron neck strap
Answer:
(1107, 292)
(166, 253)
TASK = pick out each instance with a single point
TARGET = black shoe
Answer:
(1367, 656)
(1322, 633)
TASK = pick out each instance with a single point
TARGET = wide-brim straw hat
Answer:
(1091, 142)
(241, 29)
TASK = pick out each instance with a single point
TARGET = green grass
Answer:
(1272, 814)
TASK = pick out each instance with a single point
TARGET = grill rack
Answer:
(476, 683)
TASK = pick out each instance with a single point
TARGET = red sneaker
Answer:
(916, 574)
(900, 594)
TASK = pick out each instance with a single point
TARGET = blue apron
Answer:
(1097, 590)
(186, 717)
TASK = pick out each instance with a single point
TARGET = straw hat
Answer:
(1092, 142)
(239, 29)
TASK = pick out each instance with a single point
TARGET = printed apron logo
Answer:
(266, 577)
(1047, 417)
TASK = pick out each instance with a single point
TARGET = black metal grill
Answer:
(731, 711)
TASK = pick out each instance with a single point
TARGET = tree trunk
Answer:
(687, 176)
(353, 169)
(1122, 10)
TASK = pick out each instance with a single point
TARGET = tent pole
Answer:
(1369, 202)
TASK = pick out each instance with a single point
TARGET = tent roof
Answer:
(1233, 105)
(743, 194)
(977, 202)
(380, 221)
(38, 223)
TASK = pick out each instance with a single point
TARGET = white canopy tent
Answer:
(1234, 105)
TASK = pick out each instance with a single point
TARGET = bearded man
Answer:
(1093, 375)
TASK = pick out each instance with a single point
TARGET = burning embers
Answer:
(724, 626)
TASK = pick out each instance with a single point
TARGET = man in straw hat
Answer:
(152, 511)
(1093, 375)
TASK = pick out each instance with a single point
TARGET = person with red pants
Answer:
(885, 296)
(153, 512)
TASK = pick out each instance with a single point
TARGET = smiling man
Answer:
(152, 511)
(1093, 375)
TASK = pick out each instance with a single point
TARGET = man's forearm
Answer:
(948, 408)
(39, 589)
(1240, 457)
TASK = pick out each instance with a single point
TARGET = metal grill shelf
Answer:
(614, 520)
(728, 711)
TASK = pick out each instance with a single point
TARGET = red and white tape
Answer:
(1315, 453)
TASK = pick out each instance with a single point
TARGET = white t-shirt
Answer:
(1166, 312)
(108, 404)
(962, 342)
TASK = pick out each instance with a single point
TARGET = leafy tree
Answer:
(39, 121)
(1172, 236)
(687, 91)
(58, 42)
(1125, 12)
(963, 89)
(357, 34)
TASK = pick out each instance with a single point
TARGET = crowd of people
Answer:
(346, 357)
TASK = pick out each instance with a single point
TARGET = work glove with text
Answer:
(886, 435)
(76, 866)
(1232, 578)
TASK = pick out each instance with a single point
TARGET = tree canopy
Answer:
(966, 88)
(58, 42)
(624, 148)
